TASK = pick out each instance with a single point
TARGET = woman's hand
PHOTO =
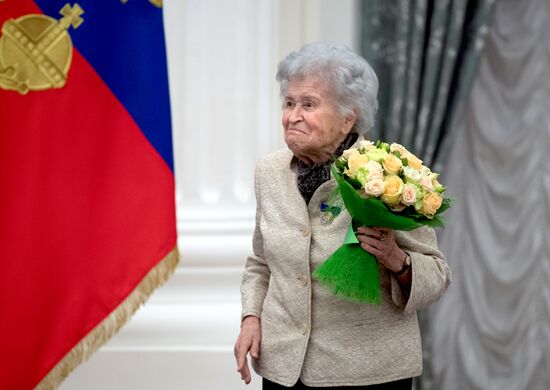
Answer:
(248, 341)
(380, 242)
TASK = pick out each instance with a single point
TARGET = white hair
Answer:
(348, 77)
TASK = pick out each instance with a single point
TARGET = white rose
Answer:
(375, 175)
(408, 197)
(425, 171)
(399, 148)
(364, 175)
(350, 152)
(375, 187)
(411, 174)
(427, 183)
(374, 167)
(366, 145)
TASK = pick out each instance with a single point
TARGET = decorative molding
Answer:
(224, 87)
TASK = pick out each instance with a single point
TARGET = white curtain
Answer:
(492, 328)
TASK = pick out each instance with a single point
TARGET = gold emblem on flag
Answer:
(36, 50)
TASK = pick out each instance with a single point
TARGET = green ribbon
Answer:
(351, 238)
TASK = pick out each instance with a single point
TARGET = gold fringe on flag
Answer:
(112, 323)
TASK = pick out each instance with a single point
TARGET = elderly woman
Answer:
(298, 334)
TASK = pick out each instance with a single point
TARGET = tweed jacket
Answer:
(307, 332)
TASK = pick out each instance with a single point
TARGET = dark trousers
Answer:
(403, 384)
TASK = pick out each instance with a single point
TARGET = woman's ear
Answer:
(349, 121)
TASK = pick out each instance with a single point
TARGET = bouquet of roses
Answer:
(380, 185)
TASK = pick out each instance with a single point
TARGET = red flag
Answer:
(87, 215)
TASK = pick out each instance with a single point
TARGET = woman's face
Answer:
(313, 127)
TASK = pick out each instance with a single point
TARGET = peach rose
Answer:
(414, 162)
(374, 187)
(408, 197)
(431, 203)
(393, 190)
(356, 161)
(392, 164)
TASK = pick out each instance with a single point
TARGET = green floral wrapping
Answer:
(352, 273)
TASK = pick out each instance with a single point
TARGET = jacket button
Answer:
(305, 231)
(303, 280)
